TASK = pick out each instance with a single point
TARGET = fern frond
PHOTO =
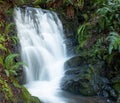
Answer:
(114, 39)
(8, 28)
(2, 47)
(9, 60)
(1, 61)
(17, 65)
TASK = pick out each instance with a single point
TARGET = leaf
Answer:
(12, 72)
(9, 60)
(2, 47)
(1, 61)
(80, 4)
(2, 39)
(85, 17)
(8, 28)
(114, 39)
(1, 24)
(17, 65)
(15, 39)
(68, 2)
(7, 73)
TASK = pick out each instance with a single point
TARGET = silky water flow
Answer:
(43, 50)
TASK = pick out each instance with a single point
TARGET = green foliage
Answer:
(37, 2)
(9, 12)
(1, 24)
(8, 28)
(98, 50)
(11, 65)
(109, 16)
(14, 39)
(78, 4)
(1, 1)
(6, 90)
(98, 3)
(68, 2)
(2, 40)
(22, 2)
(27, 97)
(83, 34)
(116, 83)
(114, 39)
(1, 61)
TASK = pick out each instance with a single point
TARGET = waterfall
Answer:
(43, 50)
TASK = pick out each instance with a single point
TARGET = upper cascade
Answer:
(42, 45)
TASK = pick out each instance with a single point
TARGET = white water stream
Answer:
(43, 50)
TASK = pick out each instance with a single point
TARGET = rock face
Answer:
(84, 76)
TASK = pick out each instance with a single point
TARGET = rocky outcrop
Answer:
(84, 76)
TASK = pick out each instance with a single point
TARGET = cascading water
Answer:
(43, 50)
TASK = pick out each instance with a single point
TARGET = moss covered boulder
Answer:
(84, 76)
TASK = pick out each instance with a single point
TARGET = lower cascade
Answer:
(43, 50)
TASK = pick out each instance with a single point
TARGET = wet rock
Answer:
(70, 45)
(84, 62)
(83, 76)
(116, 85)
(74, 62)
(20, 76)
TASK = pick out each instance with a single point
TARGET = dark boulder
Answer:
(83, 76)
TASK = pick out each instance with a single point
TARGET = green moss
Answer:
(22, 2)
(87, 91)
(26, 96)
(6, 89)
(116, 84)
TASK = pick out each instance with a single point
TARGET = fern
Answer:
(68, 2)
(104, 10)
(80, 4)
(9, 60)
(2, 47)
(114, 39)
(14, 39)
(1, 24)
(37, 2)
(1, 61)
(11, 65)
(83, 34)
(109, 16)
(6, 89)
(2, 39)
(8, 28)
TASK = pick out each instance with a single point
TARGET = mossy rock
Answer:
(116, 84)
(74, 62)
(88, 91)
(83, 81)
(25, 97)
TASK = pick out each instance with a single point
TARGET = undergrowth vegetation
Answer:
(102, 29)
(10, 89)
